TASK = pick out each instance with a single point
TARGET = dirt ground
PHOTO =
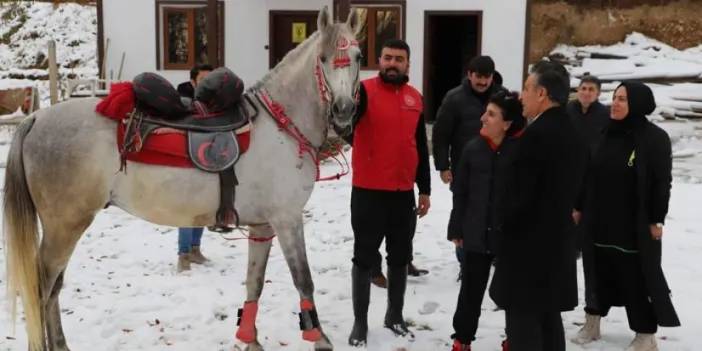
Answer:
(676, 23)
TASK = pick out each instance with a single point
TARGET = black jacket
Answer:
(481, 181)
(457, 121)
(653, 166)
(591, 123)
(536, 265)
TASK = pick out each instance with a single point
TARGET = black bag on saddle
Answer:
(220, 90)
(157, 97)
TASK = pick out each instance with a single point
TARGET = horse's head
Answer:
(338, 66)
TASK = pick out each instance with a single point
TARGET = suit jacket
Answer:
(536, 265)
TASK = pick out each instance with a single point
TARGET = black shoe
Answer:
(360, 295)
(416, 272)
(397, 283)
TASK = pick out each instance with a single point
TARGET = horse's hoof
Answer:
(254, 346)
(323, 344)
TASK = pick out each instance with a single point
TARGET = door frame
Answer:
(427, 40)
(271, 28)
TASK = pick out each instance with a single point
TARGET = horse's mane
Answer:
(296, 53)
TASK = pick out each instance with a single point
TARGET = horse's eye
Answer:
(323, 59)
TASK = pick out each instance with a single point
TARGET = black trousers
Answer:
(378, 215)
(620, 281)
(535, 331)
(476, 272)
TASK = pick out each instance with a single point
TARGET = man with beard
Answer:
(390, 155)
(458, 121)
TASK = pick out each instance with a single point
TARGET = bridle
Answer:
(341, 60)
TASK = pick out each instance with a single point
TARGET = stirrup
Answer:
(220, 228)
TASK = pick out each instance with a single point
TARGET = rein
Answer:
(277, 112)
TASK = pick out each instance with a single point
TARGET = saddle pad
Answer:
(165, 146)
(169, 147)
(213, 152)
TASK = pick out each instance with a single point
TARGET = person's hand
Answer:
(656, 232)
(577, 215)
(458, 242)
(423, 205)
(446, 176)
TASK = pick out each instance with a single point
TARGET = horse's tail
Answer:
(21, 230)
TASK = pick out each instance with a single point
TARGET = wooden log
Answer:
(688, 115)
(688, 97)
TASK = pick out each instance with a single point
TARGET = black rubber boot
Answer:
(360, 293)
(397, 283)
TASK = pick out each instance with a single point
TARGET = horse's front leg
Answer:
(292, 242)
(259, 248)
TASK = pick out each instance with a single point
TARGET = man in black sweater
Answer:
(197, 74)
(589, 118)
(458, 119)
(588, 115)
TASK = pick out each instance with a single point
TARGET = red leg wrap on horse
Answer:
(247, 325)
(313, 334)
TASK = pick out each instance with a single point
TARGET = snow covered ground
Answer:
(122, 293)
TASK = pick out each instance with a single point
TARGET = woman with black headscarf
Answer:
(624, 204)
(481, 181)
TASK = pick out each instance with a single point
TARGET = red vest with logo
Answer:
(384, 143)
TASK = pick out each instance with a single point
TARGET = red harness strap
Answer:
(277, 111)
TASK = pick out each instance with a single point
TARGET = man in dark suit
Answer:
(535, 274)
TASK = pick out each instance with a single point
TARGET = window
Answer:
(184, 35)
(379, 23)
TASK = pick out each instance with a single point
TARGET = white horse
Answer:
(63, 168)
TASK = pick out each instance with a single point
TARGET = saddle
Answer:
(210, 123)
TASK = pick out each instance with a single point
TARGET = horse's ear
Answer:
(353, 21)
(323, 20)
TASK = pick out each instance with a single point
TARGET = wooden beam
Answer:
(212, 39)
(53, 73)
(527, 41)
(100, 40)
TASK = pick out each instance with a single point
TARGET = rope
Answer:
(243, 231)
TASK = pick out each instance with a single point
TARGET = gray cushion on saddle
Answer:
(220, 90)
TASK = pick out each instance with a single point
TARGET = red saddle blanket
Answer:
(165, 146)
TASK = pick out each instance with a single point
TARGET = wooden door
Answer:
(287, 30)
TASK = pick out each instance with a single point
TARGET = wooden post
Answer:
(100, 40)
(212, 34)
(104, 59)
(121, 65)
(53, 73)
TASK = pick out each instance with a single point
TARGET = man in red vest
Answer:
(390, 155)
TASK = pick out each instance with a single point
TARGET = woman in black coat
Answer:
(478, 188)
(624, 204)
